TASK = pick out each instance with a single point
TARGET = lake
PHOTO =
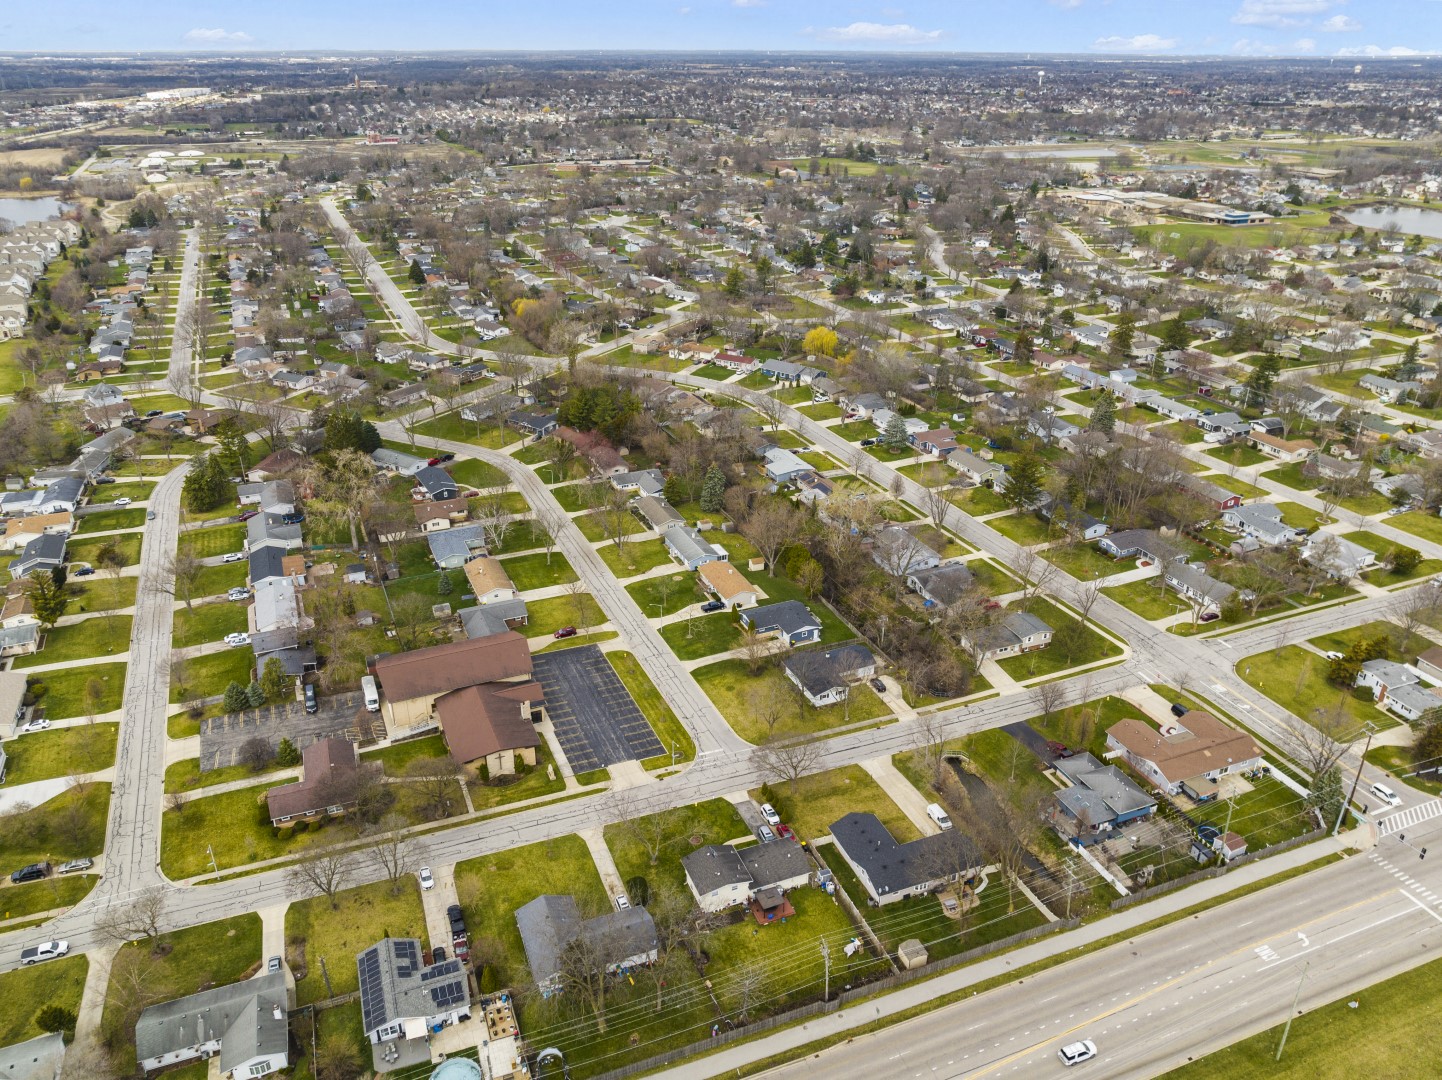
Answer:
(24, 211)
(1412, 220)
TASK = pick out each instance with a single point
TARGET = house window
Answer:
(261, 1069)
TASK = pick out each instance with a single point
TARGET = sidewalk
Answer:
(902, 792)
(835, 1025)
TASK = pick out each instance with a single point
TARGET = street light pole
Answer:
(1287, 1030)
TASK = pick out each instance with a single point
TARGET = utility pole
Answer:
(1355, 780)
(209, 851)
(826, 958)
(1287, 1030)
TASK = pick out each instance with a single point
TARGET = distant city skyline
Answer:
(1353, 29)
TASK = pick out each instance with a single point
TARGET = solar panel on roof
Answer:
(447, 994)
(440, 971)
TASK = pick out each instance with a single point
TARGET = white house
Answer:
(245, 1023)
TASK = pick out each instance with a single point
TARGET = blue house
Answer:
(791, 621)
(782, 466)
(1100, 800)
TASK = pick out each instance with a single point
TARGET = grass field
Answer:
(538, 571)
(99, 636)
(46, 895)
(547, 616)
(653, 706)
(213, 540)
(675, 833)
(1149, 598)
(69, 826)
(66, 693)
(813, 803)
(1297, 680)
(636, 557)
(27, 990)
(743, 699)
(43, 755)
(206, 676)
(208, 622)
(362, 916)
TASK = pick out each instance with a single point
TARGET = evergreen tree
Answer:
(235, 699)
(286, 755)
(1023, 482)
(713, 489)
(444, 584)
(1025, 349)
(416, 274)
(274, 682)
(254, 695)
(1104, 414)
(1175, 335)
(233, 450)
(346, 429)
(1123, 334)
(1327, 795)
(673, 491)
(47, 598)
(893, 437)
(206, 486)
(1259, 382)
(735, 283)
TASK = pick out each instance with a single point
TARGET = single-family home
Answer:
(640, 481)
(245, 1025)
(1262, 522)
(1197, 587)
(1191, 750)
(727, 584)
(44, 552)
(790, 622)
(1383, 677)
(536, 424)
(825, 678)
(1019, 632)
(329, 770)
(689, 548)
(431, 516)
(721, 876)
(396, 462)
(1214, 495)
(1283, 449)
(1099, 799)
(620, 940)
(936, 441)
(900, 553)
(782, 466)
(657, 513)
(489, 581)
(433, 482)
(977, 469)
(890, 871)
(403, 999)
(941, 586)
(1339, 557)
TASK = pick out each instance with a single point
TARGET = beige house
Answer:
(489, 581)
(441, 514)
(414, 681)
(20, 531)
(727, 584)
(492, 725)
(1189, 752)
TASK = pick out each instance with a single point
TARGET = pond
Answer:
(24, 211)
(1411, 220)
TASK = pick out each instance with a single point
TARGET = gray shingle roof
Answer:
(240, 1014)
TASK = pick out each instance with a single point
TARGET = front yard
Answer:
(361, 917)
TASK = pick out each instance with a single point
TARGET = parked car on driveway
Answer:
(766, 834)
(233, 556)
(74, 866)
(38, 724)
(124, 500)
(769, 813)
(84, 571)
(712, 605)
(248, 514)
(272, 965)
(878, 686)
(237, 639)
(238, 593)
(428, 881)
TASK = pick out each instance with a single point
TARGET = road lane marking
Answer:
(1421, 905)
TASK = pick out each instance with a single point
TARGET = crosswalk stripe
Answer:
(1412, 815)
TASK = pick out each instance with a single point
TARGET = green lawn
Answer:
(823, 410)
(636, 557)
(595, 526)
(69, 826)
(538, 571)
(363, 915)
(127, 517)
(978, 501)
(1083, 561)
(736, 694)
(667, 593)
(49, 894)
(1089, 647)
(929, 473)
(823, 798)
(676, 833)
(1378, 1038)
(1297, 680)
(531, 784)
(1268, 814)
(98, 636)
(217, 580)
(580, 639)
(86, 551)
(704, 635)
(64, 694)
(1084, 726)
(477, 474)
(395, 757)
(43, 755)
(213, 540)
(57, 982)
(99, 592)
(1022, 528)
(451, 426)
(1400, 761)
(490, 889)
(1150, 598)
(1291, 475)
(208, 622)
(1427, 526)
(206, 676)
(547, 616)
(186, 775)
(1403, 644)
(1241, 455)
(669, 730)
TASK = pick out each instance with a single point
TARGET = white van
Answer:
(938, 815)
(1386, 794)
(372, 695)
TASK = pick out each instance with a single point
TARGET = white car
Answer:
(239, 593)
(427, 881)
(237, 639)
(122, 501)
(233, 556)
(32, 725)
(1077, 1052)
(770, 814)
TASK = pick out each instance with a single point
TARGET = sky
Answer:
(1347, 28)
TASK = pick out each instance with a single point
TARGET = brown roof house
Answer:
(1189, 753)
(489, 581)
(330, 770)
(727, 584)
(441, 514)
(414, 682)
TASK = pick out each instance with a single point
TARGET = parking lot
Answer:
(221, 737)
(596, 721)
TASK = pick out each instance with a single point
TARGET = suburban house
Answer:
(45, 552)
(941, 586)
(625, 939)
(1100, 799)
(826, 678)
(977, 469)
(782, 466)
(272, 530)
(1020, 632)
(890, 871)
(657, 513)
(1262, 522)
(1283, 449)
(721, 876)
(328, 783)
(1339, 557)
(484, 620)
(433, 482)
(790, 621)
(1193, 751)
(689, 548)
(1141, 543)
(641, 481)
(397, 463)
(938, 441)
(1214, 495)
(434, 516)
(414, 681)
(490, 726)
(536, 424)
(727, 584)
(1197, 587)
(21, 530)
(403, 1000)
(899, 552)
(488, 579)
(1384, 677)
(1075, 521)
(245, 1024)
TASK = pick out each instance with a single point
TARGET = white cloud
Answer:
(1377, 50)
(1280, 13)
(1066, 5)
(1340, 24)
(1141, 43)
(882, 33)
(201, 36)
(683, 11)
(1305, 44)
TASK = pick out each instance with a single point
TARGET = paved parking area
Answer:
(221, 737)
(596, 721)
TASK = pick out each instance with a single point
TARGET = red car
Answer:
(248, 514)
(784, 831)
(565, 631)
(434, 461)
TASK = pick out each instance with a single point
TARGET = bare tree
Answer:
(770, 703)
(324, 871)
(788, 760)
(745, 985)
(772, 527)
(931, 745)
(1035, 573)
(546, 527)
(586, 963)
(490, 512)
(771, 409)
(390, 852)
(755, 649)
(1084, 598)
(435, 780)
(1049, 699)
(184, 570)
(140, 918)
(654, 832)
(1318, 745)
(936, 505)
